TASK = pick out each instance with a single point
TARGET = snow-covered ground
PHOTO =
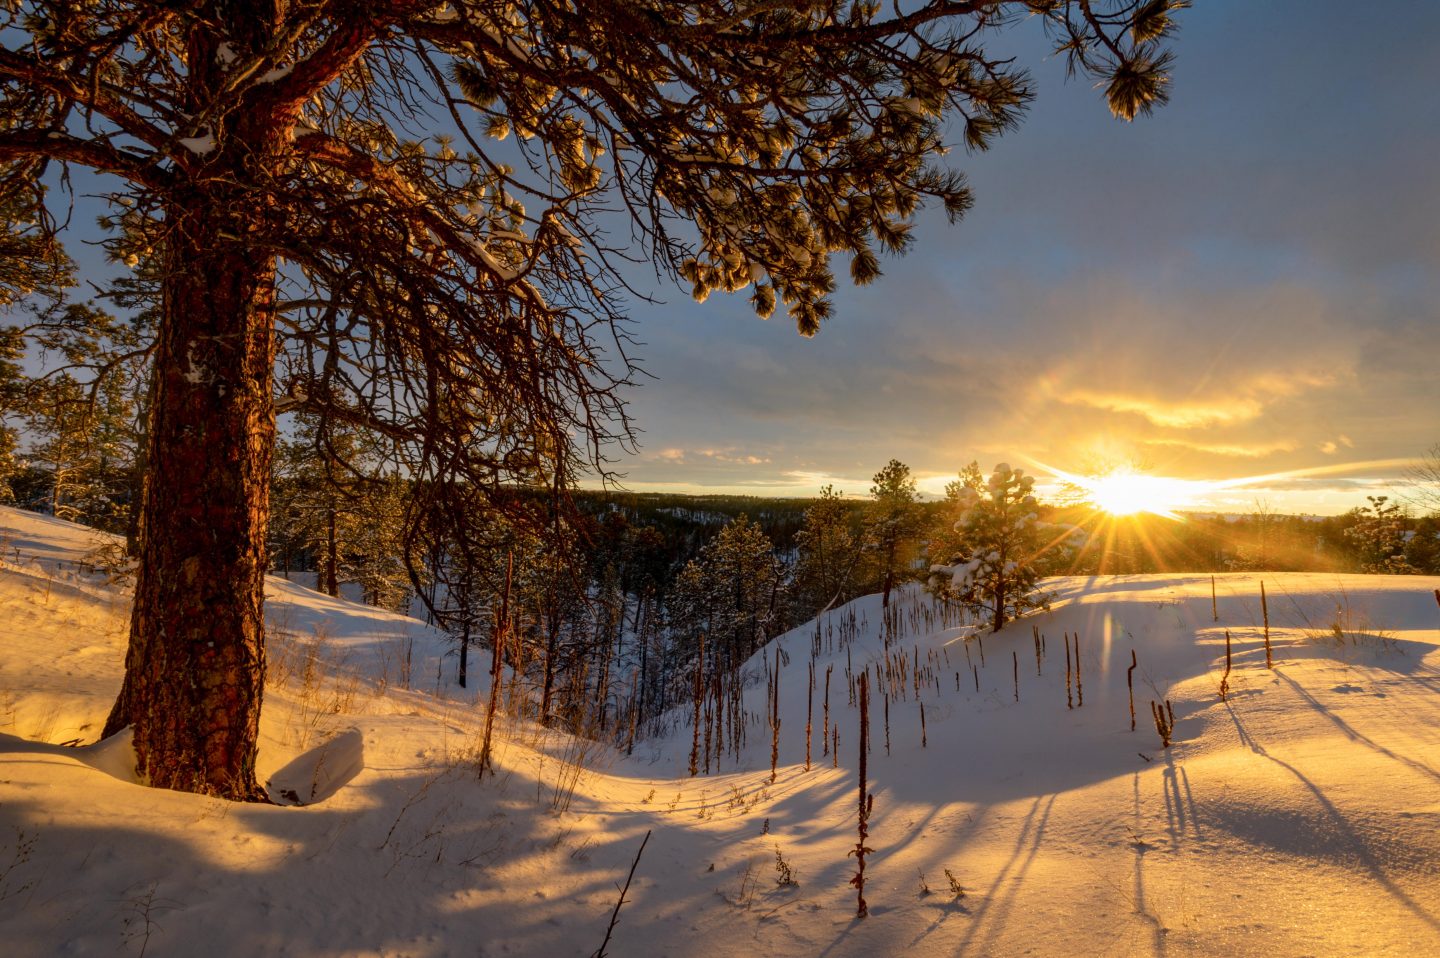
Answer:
(1300, 816)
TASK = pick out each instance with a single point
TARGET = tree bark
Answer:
(195, 667)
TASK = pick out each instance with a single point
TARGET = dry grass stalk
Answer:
(1225, 679)
(1130, 684)
(825, 728)
(1069, 698)
(1265, 612)
(775, 720)
(809, 711)
(615, 915)
(1164, 721)
(867, 800)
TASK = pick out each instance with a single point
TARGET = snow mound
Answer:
(1297, 815)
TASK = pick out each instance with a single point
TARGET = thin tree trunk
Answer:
(464, 651)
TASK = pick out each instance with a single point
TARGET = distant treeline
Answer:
(610, 608)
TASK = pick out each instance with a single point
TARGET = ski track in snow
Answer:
(1301, 816)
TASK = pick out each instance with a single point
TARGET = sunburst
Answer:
(1123, 492)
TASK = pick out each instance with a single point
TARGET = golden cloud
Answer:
(1244, 403)
(1239, 450)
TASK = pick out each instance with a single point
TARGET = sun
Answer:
(1124, 492)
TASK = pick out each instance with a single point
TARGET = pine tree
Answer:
(943, 540)
(827, 566)
(1004, 549)
(892, 528)
(320, 503)
(12, 407)
(380, 562)
(450, 293)
(1378, 536)
(732, 592)
(83, 439)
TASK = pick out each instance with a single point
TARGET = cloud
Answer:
(1236, 450)
(1171, 415)
(676, 456)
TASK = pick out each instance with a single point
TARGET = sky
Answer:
(1241, 288)
(1244, 284)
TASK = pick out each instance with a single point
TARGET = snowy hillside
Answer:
(1298, 816)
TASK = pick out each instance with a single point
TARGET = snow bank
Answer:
(1297, 816)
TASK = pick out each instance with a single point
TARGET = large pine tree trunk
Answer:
(195, 667)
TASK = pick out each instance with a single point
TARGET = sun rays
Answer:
(1126, 491)
(1123, 519)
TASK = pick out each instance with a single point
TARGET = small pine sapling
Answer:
(1079, 684)
(1015, 656)
(922, 726)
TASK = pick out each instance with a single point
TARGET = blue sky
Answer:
(1244, 284)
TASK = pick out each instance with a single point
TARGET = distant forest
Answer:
(613, 607)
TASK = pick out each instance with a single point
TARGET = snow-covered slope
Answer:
(1297, 817)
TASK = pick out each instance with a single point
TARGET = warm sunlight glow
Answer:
(1124, 493)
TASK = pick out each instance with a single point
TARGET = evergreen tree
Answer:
(1004, 549)
(379, 563)
(320, 499)
(892, 529)
(732, 593)
(12, 406)
(827, 568)
(444, 292)
(942, 538)
(83, 438)
(1378, 537)
(1422, 550)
